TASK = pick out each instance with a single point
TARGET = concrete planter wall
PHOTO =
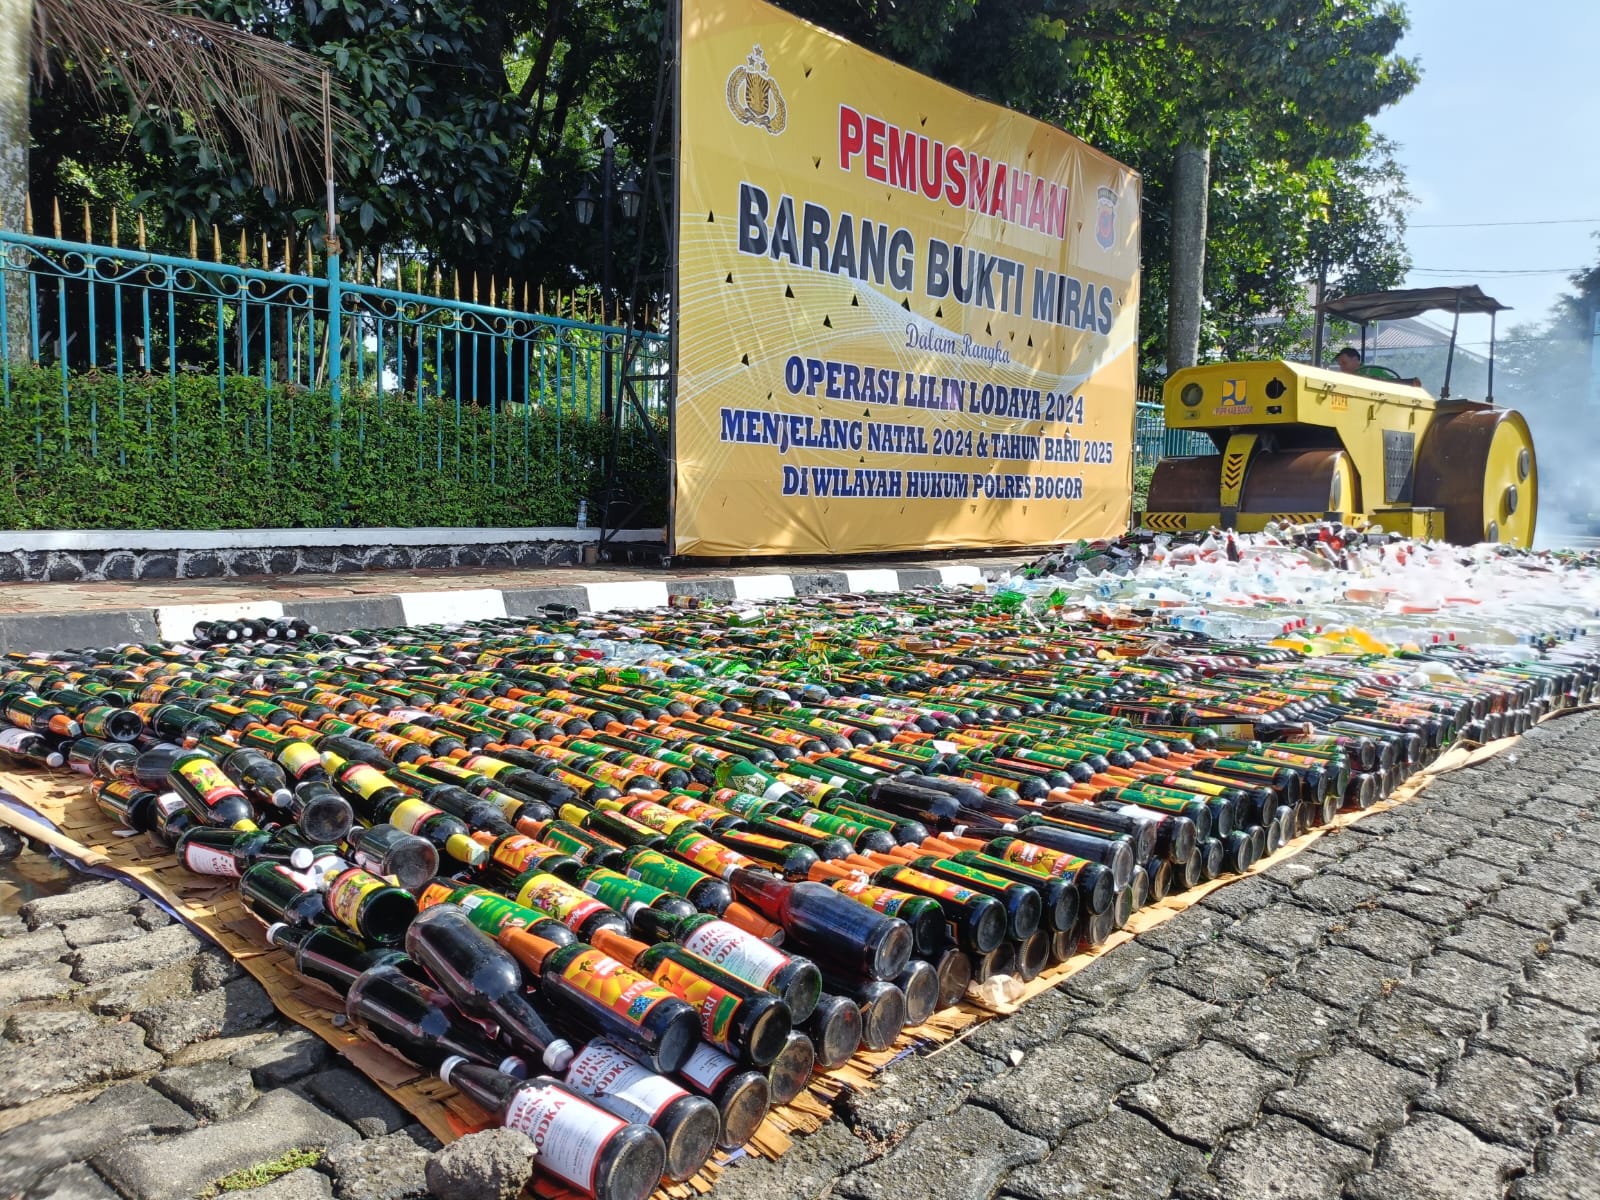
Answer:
(66, 556)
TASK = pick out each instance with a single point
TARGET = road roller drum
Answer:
(1478, 465)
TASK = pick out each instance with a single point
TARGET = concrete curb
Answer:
(173, 622)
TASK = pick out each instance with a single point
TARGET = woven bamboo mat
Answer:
(212, 908)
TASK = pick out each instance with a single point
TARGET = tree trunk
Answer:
(16, 68)
(1191, 190)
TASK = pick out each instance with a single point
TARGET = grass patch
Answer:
(262, 1173)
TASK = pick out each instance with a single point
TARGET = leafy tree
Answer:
(477, 123)
(1297, 78)
(228, 90)
(1339, 224)
(1266, 96)
(472, 127)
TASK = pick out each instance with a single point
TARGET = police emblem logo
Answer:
(753, 95)
(1105, 228)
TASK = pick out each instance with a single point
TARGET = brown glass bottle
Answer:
(577, 1142)
(595, 991)
(850, 937)
(740, 1019)
(689, 1125)
(739, 953)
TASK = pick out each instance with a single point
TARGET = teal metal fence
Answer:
(1153, 441)
(474, 377)
(126, 312)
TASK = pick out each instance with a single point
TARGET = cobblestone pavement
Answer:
(1409, 1010)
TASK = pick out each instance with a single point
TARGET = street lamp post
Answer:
(626, 198)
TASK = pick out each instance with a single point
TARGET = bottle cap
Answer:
(301, 857)
(281, 798)
(272, 931)
(558, 1055)
(514, 1067)
(450, 1064)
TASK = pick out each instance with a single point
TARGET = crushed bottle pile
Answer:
(627, 880)
(1328, 588)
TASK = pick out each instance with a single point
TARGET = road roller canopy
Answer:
(1368, 307)
(1412, 302)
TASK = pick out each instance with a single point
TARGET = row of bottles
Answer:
(633, 877)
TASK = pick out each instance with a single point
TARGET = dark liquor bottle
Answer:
(689, 1125)
(834, 1028)
(707, 894)
(577, 1142)
(598, 993)
(576, 909)
(740, 1019)
(385, 850)
(332, 956)
(152, 765)
(207, 850)
(491, 912)
(790, 1072)
(419, 1023)
(742, 1096)
(977, 922)
(29, 749)
(212, 797)
(922, 913)
(1024, 906)
(832, 928)
(321, 813)
(920, 985)
(369, 905)
(277, 894)
(739, 953)
(1059, 896)
(622, 893)
(483, 979)
(93, 757)
(789, 858)
(258, 775)
(883, 1010)
(1110, 850)
(128, 804)
(38, 715)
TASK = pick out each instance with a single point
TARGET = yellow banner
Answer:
(906, 318)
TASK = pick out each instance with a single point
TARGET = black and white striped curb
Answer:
(65, 630)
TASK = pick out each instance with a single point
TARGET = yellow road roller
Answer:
(1297, 443)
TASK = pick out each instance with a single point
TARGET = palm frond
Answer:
(240, 93)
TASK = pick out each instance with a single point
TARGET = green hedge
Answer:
(148, 452)
(1141, 486)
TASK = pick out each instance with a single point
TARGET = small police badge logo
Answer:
(753, 95)
(1105, 226)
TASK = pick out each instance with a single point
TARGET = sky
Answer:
(1503, 127)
